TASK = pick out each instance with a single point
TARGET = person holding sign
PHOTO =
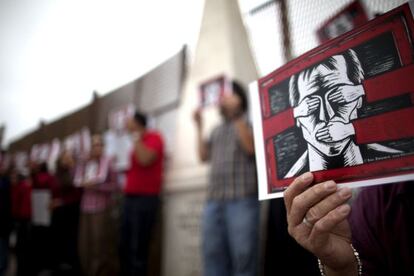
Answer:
(65, 207)
(142, 189)
(96, 243)
(375, 240)
(231, 215)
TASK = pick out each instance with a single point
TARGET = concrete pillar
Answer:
(222, 48)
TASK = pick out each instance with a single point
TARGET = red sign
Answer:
(343, 110)
(212, 91)
(352, 16)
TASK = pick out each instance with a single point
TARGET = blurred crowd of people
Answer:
(102, 226)
(89, 226)
(92, 233)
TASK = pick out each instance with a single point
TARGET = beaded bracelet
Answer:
(356, 254)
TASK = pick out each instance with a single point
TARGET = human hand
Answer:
(55, 203)
(317, 220)
(88, 185)
(198, 118)
(335, 132)
(136, 136)
(346, 93)
(306, 107)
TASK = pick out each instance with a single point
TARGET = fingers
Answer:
(197, 116)
(326, 224)
(324, 135)
(304, 201)
(325, 206)
(313, 103)
(336, 97)
(298, 186)
(197, 113)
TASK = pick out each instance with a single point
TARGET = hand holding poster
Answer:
(343, 110)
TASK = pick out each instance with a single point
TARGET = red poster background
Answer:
(400, 23)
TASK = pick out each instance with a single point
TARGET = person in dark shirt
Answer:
(65, 216)
(375, 240)
(382, 224)
(42, 180)
(5, 220)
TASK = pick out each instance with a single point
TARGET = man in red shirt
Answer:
(142, 189)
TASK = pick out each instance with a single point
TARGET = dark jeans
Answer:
(4, 253)
(65, 226)
(41, 248)
(23, 248)
(138, 218)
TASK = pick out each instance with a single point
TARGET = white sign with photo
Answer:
(40, 207)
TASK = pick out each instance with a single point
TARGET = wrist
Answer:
(360, 90)
(353, 267)
(351, 129)
(350, 270)
(295, 115)
(136, 136)
(296, 112)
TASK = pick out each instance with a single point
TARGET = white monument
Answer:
(222, 49)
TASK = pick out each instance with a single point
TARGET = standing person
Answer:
(22, 212)
(42, 181)
(65, 216)
(96, 240)
(141, 202)
(5, 220)
(230, 223)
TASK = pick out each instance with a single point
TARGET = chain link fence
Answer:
(263, 20)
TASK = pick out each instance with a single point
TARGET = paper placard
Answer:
(40, 207)
(343, 110)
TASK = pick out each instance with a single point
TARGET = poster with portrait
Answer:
(343, 110)
(118, 117)
(212, 90)
(92, 171)
(78, 143)
(20, 160)
(350, 17)
(54, 152)
(44, 152)
(118, 141)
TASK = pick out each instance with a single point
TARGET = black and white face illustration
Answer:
(330, 104)
(325, 98)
